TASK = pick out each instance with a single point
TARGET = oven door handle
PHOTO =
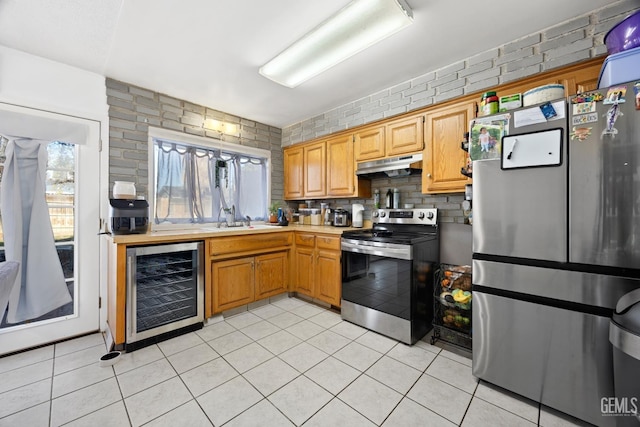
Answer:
(405, 253)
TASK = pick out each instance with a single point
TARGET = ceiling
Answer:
(208, 51)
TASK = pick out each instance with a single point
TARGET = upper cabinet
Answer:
(368, 143)
(323, 169)
(442, 158)
(405, 136)
(394, 138)
(326, 168)
(340, 166)
(315, 170)
(293, 173)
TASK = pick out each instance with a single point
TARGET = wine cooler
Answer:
(165, 292)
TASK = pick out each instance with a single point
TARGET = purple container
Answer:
(624, 35)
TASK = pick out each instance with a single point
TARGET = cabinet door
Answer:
(369, 144)
(443, 158)
(582, 80)
(315, 170)
(405, 136)
(271, 274)
(340, 167)
(293, 173)
(233, 282)
(328, 277)
(305, 270)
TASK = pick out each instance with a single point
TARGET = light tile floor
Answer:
(286, 363)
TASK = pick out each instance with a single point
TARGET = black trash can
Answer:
(624, 334)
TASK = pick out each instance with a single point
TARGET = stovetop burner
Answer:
(396, 226)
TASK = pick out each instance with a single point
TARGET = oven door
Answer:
(377, 277)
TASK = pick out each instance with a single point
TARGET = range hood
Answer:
(391, 167)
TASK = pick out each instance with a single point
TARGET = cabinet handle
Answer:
(428, 175)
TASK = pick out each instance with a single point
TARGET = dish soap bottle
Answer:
(389, 204)
(396, 198)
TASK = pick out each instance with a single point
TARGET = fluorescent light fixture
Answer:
(358, 25)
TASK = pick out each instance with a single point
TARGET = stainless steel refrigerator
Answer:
(556, 242)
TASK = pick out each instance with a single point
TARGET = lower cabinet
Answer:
(317, 267)
(233, 283)
(248, 268)
(240, 281)
(270, 274)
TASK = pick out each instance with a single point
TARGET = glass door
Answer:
(72, 198)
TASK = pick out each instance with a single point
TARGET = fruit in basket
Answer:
(463, 297)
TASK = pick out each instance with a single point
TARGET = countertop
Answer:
(206, 232)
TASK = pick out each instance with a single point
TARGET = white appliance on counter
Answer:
(357, 215)
(555, 234)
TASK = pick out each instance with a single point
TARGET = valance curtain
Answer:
(196, 185)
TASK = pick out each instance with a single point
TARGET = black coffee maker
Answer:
(128, 216)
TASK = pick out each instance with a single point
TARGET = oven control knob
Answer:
(383, 214)
(375, 214)
(421, 215)
(430, 215)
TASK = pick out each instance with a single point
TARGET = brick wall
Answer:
(570, 42)
(133, 109)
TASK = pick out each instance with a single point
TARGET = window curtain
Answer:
(197, 185)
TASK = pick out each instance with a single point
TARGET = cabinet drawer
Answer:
(328, 242)
(305, 239)
(247, 243)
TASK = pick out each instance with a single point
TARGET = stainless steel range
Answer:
(387, 273)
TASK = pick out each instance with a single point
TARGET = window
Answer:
(197, 180)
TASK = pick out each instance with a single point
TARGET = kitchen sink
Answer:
(237, 228)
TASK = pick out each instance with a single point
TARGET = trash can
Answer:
(624, 334)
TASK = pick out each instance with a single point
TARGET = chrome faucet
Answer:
(230, 216)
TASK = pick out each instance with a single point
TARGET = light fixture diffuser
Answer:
(358, 25)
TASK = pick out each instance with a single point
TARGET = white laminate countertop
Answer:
(211, 231)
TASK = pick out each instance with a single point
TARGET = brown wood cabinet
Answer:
(404, 136)
(233, 283)
(341, 175)
(317, 267)
(315, 170)
(328, 270)
(394, 138)
(271, 274)
(369, 143)
(293, 173)
(248, 268)
(327, 170)
(442, 157)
